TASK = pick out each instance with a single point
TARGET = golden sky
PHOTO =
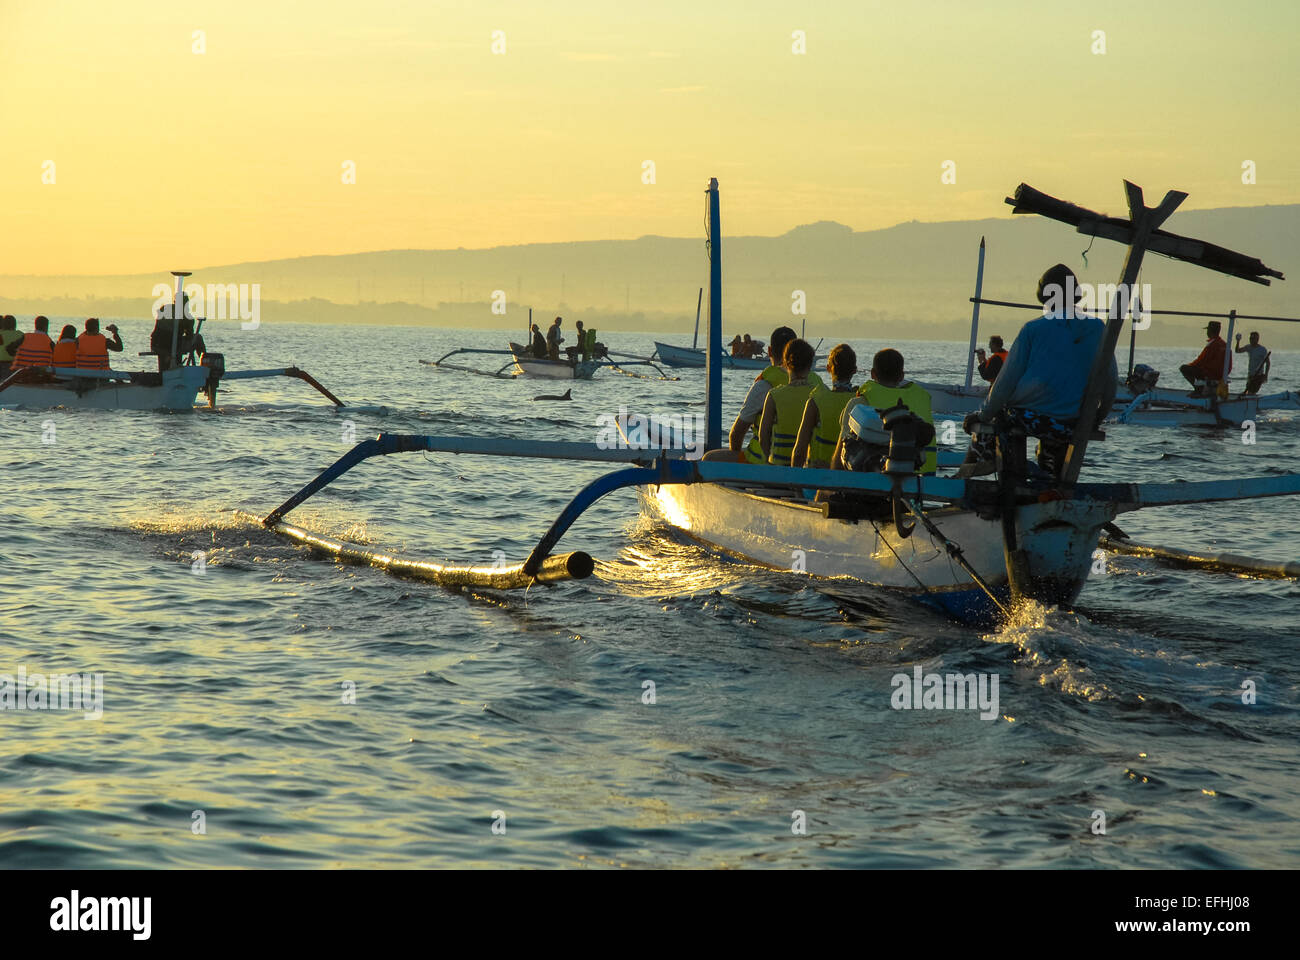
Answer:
(237, 153)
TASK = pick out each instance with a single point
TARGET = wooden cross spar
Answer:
(1142, 233)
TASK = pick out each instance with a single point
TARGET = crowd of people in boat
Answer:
(89, 349)
(746, 348)
(792, 417)
(36, 348)
(1207, 373)
(548, 347)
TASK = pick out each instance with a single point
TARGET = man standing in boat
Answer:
(1259, 355)
(1042, 383)
(774, 376)
(553, 340)
(990, 365)
(1208, 366)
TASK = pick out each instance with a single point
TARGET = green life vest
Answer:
(588, 344)
(777, 377)
(830, 407)
(6, 338)
(915, 398)
(789, 401)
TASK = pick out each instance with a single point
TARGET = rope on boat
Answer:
(955, 551)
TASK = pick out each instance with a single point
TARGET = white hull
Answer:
(1059, 537)
(526, 365)
(178, 391)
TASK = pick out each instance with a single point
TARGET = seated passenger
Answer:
(93, 346)
(887, 389)
(819, 430)
(36, 348)
(10, 337)
(1042, 384)
(1208, 365)
(539, 343)
(783, 407)
(65, 351)
(752, 409)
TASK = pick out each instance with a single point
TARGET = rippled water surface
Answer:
(222, 689)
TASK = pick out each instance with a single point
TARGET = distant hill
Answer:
(912, 280)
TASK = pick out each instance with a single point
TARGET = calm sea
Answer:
(230, 660)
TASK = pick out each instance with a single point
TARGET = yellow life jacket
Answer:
(915, 398)
(830, 408)
(777, 377)
(789, 401)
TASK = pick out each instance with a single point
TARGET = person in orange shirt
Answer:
(1209, 364)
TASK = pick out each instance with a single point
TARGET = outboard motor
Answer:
(867, 444)
(909, 435)
(1142, 379)
(216, 364)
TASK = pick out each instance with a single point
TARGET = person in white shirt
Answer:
(1259, 362)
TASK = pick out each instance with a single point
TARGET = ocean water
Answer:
(228, 656)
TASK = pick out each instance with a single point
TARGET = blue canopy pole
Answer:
(713, 353)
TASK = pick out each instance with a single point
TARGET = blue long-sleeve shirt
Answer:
(1047, 368)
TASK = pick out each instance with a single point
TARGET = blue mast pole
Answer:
(713, 352)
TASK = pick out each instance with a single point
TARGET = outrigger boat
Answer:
(522, 363)
(174, 389)
(693, 356)
(971, 548)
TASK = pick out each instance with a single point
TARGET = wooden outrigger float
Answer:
(970, 548)
(174, 389)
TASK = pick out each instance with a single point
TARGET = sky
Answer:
(131, 142)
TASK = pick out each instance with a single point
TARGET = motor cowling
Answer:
(216, 364)
(867, 443)
(909, 435)
(1142, 379)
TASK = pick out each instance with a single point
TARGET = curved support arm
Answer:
(306, 377)
(631, 477)
(362, 451)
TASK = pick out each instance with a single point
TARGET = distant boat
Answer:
(688, 357)
(174, 389)
(528, 365)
